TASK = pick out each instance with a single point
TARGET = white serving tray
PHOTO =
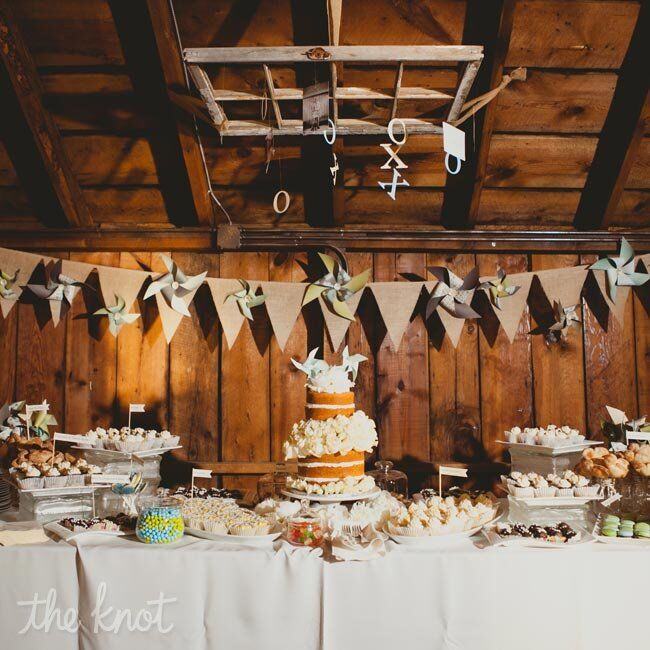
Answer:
(496, 540)
(621, 541)
(542, 450)
(554, 502)
(111, 454)
(56, 491)
(67, 535)
(246, 540)
(333, 498)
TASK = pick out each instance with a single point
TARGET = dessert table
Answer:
(200, 594)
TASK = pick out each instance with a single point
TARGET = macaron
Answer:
(625, 532)
(611, 519)
(627, 522)
(642, 525)
(645, 534)
(609, 531)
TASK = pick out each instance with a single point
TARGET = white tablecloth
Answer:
(234, 598)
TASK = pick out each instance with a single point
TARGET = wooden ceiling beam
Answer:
(31, 137)
(621, 134)
(154, 62)
(488, 22)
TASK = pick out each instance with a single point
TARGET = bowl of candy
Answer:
(160, 520)
(305, 531)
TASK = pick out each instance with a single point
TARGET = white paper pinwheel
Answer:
(620, 270)
(312, 366)
(117, 315)
(498, 288)
(7, 283)
(57, 286)
(351, 362)
(175, 286)
(453, 293)
(564, 319)
(246, 299)
(336, 287)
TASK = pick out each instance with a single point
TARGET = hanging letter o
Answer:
(333, 138)
(276, 200)
(391, 135)
(454, 171)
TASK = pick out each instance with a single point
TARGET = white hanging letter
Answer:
(391, 134)
(393, 184)
(333, 138)
(452, 171)
(276, 201)
(399, 163)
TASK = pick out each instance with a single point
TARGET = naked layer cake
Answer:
(331, 442)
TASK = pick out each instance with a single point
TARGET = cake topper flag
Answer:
(336, 287)
(14, 267)
(396, 302)
(283, 303)
(117, 315)
(620, 270)
(246, 299)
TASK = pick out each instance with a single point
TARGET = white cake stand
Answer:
(333, 498)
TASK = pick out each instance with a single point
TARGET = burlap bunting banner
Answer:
(120, 282)
(10, 262)
(396, 302)
(283, 304)
(335, 324)
(453, 326)
(563, 285)
(229, 314)
(513, 306)
(646, 261)
(77, 271)
(622, 294)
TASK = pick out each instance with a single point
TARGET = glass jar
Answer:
(270, 486)
(305, 531)
(160, 520)
(390, 479)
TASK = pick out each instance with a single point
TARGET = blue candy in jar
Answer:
(160, 520)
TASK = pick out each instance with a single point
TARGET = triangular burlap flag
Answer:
(563, 285)
(646, 261)
(453, 326)
(283, 304)
(337, 326)
(120, 282)
(169, 317)
(512, 306)
(10, 262)
(229, 314)
(396, 302)
(78, 271)
(622, 294)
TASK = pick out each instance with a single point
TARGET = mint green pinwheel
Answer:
(7, 283)
(311, 366)
(336, 287)
(117, 315)
(620, 270)
(246, 299)
(351, 363)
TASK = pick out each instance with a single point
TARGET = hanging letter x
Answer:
(393, 184)
(399, 163)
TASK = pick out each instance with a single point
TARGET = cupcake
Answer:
(30, 479)
(73, 475)
(153, 441)
(53, 478)
(250, 528)
(168, 440)
(216, 525)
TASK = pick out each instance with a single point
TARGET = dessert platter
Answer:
(552, 490)
(331, 442)
(105, 445)
(71, 528)
(557, 536)
(547, 441)
(612, 529)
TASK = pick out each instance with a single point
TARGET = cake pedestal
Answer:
(333, 498)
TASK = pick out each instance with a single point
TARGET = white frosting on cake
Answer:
(333, 380)
(348, 485)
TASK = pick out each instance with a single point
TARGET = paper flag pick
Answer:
(396, 302)
(40, 421)
(123, 282)
(512, 306)
(336, 287)
(620, 270)
(230, 316)
(117, 315)
(283, 304)
(452, 293)
(336, 326)
(623, 293)
(10, 263)
(175, 287)
(564, 285)
(246, 299)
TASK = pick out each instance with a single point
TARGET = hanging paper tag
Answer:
(453, 141)
(136, 408)
(67, 437)
(110, 479)
(201, 473)
(637, 435)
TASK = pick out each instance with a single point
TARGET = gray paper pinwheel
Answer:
(499, 288)
(453, 293)
(620, 270)
(175, 286)
(564, 319)
(246, 299)
(117, 315)
(57, 286)
(7, 283)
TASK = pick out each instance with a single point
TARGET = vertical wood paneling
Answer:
(610, 362)
(143, 354)
(454, 397)
(193, 369)
(245, 394)
(642, 338)
(91, 355)
(8, 350)
(506, 377)
(558, 369)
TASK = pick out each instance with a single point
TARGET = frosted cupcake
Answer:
(30, 478)
(53, 478)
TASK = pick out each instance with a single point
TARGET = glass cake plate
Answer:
(333, 498)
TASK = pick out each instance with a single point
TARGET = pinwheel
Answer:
(175, 286)
(351, 363)
(57, 286)
(246, 299)
(6, 285)
(312, 366)
(117, 315)
(336, 287)
(40, 421)
(620, 270)
(564, 319)
(498, 288)
(452, 293)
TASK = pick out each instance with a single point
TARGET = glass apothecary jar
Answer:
(160, 520)
(270, 486)
(305, 531)
(390, 479)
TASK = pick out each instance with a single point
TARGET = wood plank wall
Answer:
(431, 402)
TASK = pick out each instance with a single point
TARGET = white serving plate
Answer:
(333, 498)
(621, 541)
(496, 540)
(552, 451)
(246, 540)
(554, 502)
(111, 454)
(57, 491)
(68, 535)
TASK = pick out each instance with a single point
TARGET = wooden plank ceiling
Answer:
(566, 149)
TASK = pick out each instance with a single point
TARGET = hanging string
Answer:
(211, 193)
